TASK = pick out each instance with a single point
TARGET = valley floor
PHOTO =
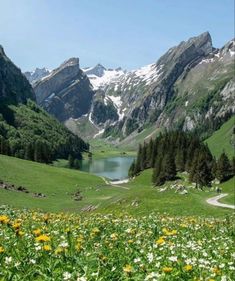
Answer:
(74, 191)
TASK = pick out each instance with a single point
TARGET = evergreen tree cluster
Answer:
(28, 132)
(178, 151)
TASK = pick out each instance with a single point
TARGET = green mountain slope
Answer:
(223, 139)
(27, 131)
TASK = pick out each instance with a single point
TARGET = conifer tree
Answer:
(71, 161)
(76, 164)
(223, 168)
(169, 168)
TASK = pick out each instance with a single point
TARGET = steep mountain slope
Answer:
(37, 74)
(190, 83)
(27, 131)
(14, 87)
(66, 92)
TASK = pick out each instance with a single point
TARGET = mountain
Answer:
(191, 84)
(37, 74)
(66, 92)
(26, 130)
(100, 77)
(14, 87)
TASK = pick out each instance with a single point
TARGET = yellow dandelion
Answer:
(216, 270)
(1, 249)
(16, 225)
(37, 232)
(160, 241)
(47, 248)
(43, 238)
(4, 219)
(167, 269)
(188, 267)
(128, 268)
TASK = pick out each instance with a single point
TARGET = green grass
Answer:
(222, 139)
(58, 184)
(228, 187)
(102, 149)
(150, 199)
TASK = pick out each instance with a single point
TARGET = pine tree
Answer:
(76, 164)
(138, 163)
(223, 168)
(169, 168)
(179, 160)
(157, 171)
(71, 161)
(149, 153)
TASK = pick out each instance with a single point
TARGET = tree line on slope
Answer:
(174, 152)
(28, 132)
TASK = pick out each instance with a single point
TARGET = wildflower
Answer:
(167, 269)
(160, 241)
(216, 270)
(114, 236)
(67, 275)
(16, 225)
(32, 261)
(150, 257)
(173, 259)
(127, 268)
(59, 250)
(188, 267)
(43, 238)
(37, 232)
(1, 249)
(47, 248)
(8, 260)
(4, 219)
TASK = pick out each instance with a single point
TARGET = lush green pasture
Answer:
(223, 139)
(150, 199)
(59, 185)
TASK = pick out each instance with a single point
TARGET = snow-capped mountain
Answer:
(100, 77)
(168, 93)
(191, 84)
(37, 74)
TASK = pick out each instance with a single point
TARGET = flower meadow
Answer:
(39, 246)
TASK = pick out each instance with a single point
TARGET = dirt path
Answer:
(214, 201)
(114, 185)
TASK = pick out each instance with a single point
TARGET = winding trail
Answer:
(214, 201)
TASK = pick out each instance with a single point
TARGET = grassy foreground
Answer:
(41, 247)
(223, 139)
(138, 197)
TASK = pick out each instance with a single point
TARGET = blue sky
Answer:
(126, 33)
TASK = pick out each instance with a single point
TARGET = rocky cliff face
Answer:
(14, 87)
(66, 92)
(189, 83)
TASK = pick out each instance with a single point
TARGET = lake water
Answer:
(114, 168)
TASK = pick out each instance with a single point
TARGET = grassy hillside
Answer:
(58, 184)
(223, 139)
(138, 197)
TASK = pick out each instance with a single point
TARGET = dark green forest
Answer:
(177, 151)
(28, 132)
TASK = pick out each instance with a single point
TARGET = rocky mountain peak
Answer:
(97, 70)
(70, 62)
